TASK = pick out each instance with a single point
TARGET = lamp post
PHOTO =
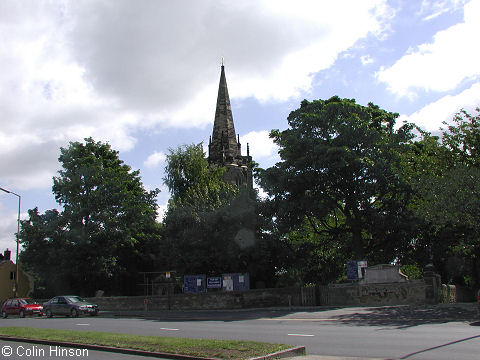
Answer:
(18, 234)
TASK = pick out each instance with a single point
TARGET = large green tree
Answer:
(339, 173)
(445, 175)
(211, 227)
(193, 184)
(107, 222)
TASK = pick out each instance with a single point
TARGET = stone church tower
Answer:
(224, 148)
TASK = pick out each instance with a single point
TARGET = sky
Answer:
(143, 76)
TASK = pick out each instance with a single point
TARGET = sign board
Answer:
(214, 282)
(194, 283)
(236, 282)
(227, 284)
(356, 269)
(362, 266)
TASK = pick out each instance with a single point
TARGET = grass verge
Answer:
(222, 349)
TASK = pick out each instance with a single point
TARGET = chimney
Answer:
(6, 254)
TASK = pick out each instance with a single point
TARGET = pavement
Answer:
(372, 315)
(320, 357)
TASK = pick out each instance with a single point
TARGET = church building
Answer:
(224, 148)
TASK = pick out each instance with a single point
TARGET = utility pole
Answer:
(15, 287)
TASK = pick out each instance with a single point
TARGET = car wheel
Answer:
(74, 313)
(95, 313)
(4, 314)
(21, 313)
(49, 313)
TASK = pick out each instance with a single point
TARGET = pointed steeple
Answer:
(224, 147)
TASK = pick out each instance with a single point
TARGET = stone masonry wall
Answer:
(203, 301)
(411, 292)
(408, 293)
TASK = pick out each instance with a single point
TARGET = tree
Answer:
(107, 217)
(448, 197)
(210, 227)
(339, 172)
(193, 183)
(46, 251)
(195, 225)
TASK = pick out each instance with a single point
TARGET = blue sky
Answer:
(143, 75)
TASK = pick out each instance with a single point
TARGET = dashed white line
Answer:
(168, 329)
(82, 324)
(305, 335)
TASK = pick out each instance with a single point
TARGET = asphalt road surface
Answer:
(435, 332)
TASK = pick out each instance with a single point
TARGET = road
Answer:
(435, 332)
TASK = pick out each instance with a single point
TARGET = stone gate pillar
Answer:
(433, 291)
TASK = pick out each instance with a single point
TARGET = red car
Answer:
(21, 307)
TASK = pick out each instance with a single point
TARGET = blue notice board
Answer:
(356, 269)
(352, 270)
(236, 282)
(214, 282)
(194, 284)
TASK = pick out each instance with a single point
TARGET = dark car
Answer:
(21, 307)
(69, 305)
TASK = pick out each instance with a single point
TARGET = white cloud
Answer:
(313, 36)
(271, 47)
(161, 211)
(440, 65)
(262, 148)
(155, 159)
(72, 70)
(433, 9)
(366, 59)
(431, 117)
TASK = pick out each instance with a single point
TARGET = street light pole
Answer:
(18, 234)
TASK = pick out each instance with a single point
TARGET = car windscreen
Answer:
(27, 301)
(74, 299)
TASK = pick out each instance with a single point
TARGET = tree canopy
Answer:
(338, 172)
(107, 218)
(211, 227)
(351, 184)
(445, 175)
(193, 183)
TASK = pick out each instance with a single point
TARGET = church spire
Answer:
(224, 145)
(224, 148)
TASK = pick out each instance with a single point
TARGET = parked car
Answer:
(69, 305)
(21, 307)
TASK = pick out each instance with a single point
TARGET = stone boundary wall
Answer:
(204, 301)
(408, 293)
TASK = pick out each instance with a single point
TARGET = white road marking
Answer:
(168, 329)
(305, 335)
(82, 324)
(299, 319)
